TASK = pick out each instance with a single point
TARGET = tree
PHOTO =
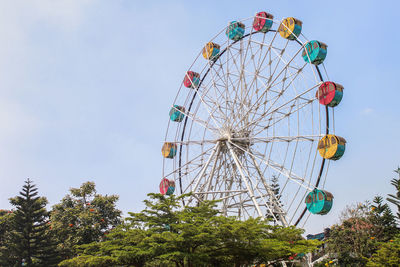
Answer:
(353, 240)
(82, 217)
(395, 199)
(383, 219)
(275, 187)
(29, 239)
(6, 217)
(166, 234)
(388, 255)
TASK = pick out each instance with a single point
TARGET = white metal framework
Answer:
(252, 125)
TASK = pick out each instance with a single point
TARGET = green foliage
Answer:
(165, 234)
(365, 230)
(362, 228)
(89, 261)
(353, 241)
(388, 255)
(82, 217)
(383, 219)
(6, 217)
(395, 199)
(27, 237)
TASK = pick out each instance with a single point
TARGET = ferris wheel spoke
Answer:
(193, 162)
(270, 139)
(272, 74)
(234, 86)
(288, 173)
(224, 86)
(199, 121)
(215, 101)
(207, 185)
(277, 167)
(270, 86)
(276, 205)
(240, 83)
(268, 52)
(197, 178)
(249, 88)
(278, 94)
(207, 108)
(268, 112)
(258, 187)
(261, 97)
(214, 84)
(250, 190)
(218, 108)
(273, 120)
(252, 74)
(195, 142)
(253, 89)
(212, 183)
(228, 83)
(204, 94)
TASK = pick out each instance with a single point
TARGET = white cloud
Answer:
(367, 111)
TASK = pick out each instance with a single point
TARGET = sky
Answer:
(86, 86)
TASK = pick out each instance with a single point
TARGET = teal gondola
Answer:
(319, 202)
(314, 52)
(177, 113)
(235, 30)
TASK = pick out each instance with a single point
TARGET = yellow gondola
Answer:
(290, 28)
(169, 150)
(211, 51)
(331, 147)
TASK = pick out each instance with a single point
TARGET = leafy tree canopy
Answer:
(166, 234)
(82, 217)
(388, 254)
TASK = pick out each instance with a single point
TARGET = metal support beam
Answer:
(271, 193)
(249, 189)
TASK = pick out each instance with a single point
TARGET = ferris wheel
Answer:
(252, 124)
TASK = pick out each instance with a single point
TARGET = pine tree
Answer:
(276, 190)
(395, 199)
(383, 219)
(275, 186)
(30, 237)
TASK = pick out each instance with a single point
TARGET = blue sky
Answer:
(86, 86)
